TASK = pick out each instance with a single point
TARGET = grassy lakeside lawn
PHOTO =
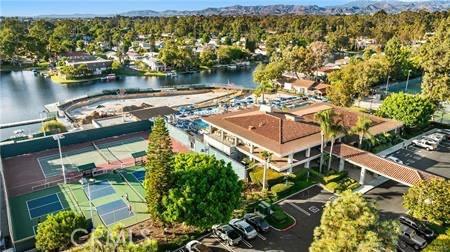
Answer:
(25, 67)
(60, 80)
(155, 74)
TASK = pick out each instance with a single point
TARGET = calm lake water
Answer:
(23, 95)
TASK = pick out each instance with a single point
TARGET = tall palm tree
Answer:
(361, 128)
(267, 156)
(263, 88)
(334, 131)
(325, 120)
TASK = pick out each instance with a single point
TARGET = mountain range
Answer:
(355, 7)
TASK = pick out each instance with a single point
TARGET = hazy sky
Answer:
(43, 7)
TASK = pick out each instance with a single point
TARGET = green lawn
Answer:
(60, 80)
(279, 219)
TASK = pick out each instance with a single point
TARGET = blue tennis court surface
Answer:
(99, 189)
(139, 175)
(113, 212)
(44, 205)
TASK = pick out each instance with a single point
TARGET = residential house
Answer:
(154, 64)
(96, 66)
(307, 87)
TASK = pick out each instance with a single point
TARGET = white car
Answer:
(196, 246)
(395, 159)
(423, 144)
(438, 137)
(244, 228)
(431, 140)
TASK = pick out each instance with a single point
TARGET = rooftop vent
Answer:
(294, 118)
(265, 108)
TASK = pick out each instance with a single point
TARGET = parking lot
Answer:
(437, 161)
(388, 198)
(306, 207)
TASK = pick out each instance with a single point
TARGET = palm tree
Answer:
(325, 119)
(361, 128)
(334, 131)
(267, 156)
(263, 88)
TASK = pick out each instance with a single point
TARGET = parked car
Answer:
(411, 237)
(403, 246)
(431, 141)
(196, 246)
(424, 144)
(418, 226)
(257, 222)
(395, 159)
(245, 229)
(227, 234)
(438, 137)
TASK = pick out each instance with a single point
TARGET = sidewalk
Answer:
(371, 184)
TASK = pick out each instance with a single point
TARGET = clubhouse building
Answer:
(292, 137)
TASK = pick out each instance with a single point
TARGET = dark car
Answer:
(410, 236)
(403, 246)
(418, 226)
(257, 222)
(227, 234)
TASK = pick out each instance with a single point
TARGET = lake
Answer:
(23, 94)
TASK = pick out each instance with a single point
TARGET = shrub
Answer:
(273, 177)
(54, 233)
(279, 219)
(282, 187)
(332, 186)
(334, 177)
(53, 127)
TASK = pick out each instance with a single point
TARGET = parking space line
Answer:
(261, 236)
(299, 208)
(223, 244)
(246, 243)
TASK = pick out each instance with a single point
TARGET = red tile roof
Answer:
(401, 173)
(288, 132)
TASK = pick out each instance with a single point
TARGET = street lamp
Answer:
(83, 181)
(387, 83)
(58, 138)
(407, 80)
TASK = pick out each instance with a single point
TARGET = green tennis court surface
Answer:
(51, 165)
(96, 154)
(110, 205)
(123, 149)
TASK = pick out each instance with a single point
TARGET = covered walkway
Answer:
(370, 162)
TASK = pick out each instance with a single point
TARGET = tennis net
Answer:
(101, 153)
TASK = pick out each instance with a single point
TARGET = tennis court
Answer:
(42, 206)
(51, 165)
(109, 206)
(123, 149)
(114, 211)
(98, 190)
(139, 175)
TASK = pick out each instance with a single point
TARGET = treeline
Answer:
(42, 38)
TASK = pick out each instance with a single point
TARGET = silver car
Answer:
(244, 228)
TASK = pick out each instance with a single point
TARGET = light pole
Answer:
(58, 138)
(407, 80)
(387, 83)
(83, 181)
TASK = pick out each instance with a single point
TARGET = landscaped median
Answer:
(279, 219)
(337, 182)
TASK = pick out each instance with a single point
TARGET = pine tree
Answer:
(158, 168)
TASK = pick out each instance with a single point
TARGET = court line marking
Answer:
(59, 201)
(299, 208)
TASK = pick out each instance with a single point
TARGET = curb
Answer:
(287, 228)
